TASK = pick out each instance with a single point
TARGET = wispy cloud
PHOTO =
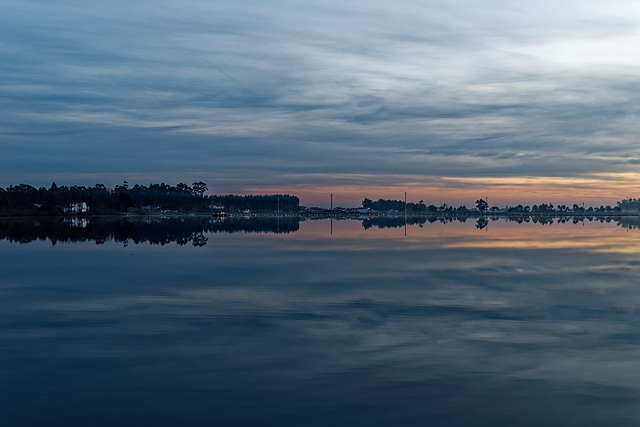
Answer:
(258, 88)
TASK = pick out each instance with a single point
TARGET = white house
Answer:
(78, 207)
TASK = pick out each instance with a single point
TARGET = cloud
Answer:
(444, 89)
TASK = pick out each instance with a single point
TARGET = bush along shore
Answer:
(26, 200)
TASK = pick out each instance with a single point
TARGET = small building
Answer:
(360, 210)
(77, 207)
(218, 210)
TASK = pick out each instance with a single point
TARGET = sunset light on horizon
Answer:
(450, 102)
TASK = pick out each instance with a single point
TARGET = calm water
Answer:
(292, 323)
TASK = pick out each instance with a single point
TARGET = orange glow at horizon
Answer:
(592, 190)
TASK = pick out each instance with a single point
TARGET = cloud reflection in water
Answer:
(448, 326)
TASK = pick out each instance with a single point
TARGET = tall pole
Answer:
(331, 216)
(405, 214)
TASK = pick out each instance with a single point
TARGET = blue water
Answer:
(324, 324)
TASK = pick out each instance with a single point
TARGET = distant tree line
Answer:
(559, 209)
(630, 205)
(273, 203)
(25, 199)
(383, 205)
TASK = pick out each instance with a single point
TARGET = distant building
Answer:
(77, 207)
(217, 210)
(360, 210)
(316, 210)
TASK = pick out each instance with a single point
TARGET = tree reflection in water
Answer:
(154, 230)
(192, 229)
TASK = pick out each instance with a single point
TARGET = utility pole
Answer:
(405, 204)
(331, 216)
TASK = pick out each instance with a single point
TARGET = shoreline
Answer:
(328, 215)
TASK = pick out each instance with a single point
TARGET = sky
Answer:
(449, 101)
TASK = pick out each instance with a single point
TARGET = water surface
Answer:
(319, 322)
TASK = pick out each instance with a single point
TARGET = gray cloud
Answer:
(256, 89)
